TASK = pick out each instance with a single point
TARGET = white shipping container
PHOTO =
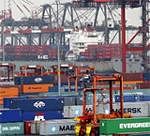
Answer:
(57, 127)
(72, 111)
(137, 109)
(35, 127)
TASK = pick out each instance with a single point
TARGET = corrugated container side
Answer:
(46, 79)
(27, 127)
(125, 126)
(147, 76)
(133, 77)
(35, 127)
(36, 88)
(58, 127)
(128, 98)
(36, 104)
(47, 115)
(12, 128)
(10, 115)
(137, 109)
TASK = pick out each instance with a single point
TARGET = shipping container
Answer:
(35, 127)
(133, 77)
(36, 88)
(11, 128)
(57, 127)
(8, 92)
(128, 98)
(40, 116)
(146, 76)
(46, 79)
(125, 125)
(10, 115)
(27, 127)
(35, 104)
(137, 109)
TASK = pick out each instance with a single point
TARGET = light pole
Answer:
(58, 52)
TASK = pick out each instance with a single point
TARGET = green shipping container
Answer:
(12, 128)
(125, 126)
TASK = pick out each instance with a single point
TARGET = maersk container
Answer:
(10, 115)
(137, 109)
(47, 115)
(125, 125)
(35, 104)
(58, 127)
(34, 80)
(11, 128)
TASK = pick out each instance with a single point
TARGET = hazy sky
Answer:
(133, 15)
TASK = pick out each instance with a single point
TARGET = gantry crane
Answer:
(8, 69)
(88, 123)
(122, 3)
(77, 73)
(32, 70)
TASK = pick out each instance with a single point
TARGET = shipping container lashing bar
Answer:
(10, 70)
(89, 121)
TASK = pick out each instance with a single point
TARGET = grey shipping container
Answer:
(35, 127)
(12, 128)
(57, 127)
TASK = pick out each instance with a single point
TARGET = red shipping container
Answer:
(27, 127)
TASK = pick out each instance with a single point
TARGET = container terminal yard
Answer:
(75, 68)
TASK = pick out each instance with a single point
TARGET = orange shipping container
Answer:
(36, 88)
(9, 91)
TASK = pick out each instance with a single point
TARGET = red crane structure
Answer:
(122, 3)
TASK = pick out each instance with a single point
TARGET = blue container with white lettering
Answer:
(35, 104)
(128, 98)
(47, 115)
(10, 115)
(34, 80)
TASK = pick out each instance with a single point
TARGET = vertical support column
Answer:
(121, 96)
(123, 35)
(84, 102)
(94, 105)
(76, 80)
(110, 96)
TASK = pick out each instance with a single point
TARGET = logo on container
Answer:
(38, 79)
(39, 104)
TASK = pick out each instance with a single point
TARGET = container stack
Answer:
(11, 122)
(34, 84)
(43, 108)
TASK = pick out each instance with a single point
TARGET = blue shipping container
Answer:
(35, 104)
(10, 115)
(34, 80)
(128, 98)
(147, 76)
(145, 98)
(27, 116)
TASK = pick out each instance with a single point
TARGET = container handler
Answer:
(32, 70)
(78, 73)
(88, 123)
